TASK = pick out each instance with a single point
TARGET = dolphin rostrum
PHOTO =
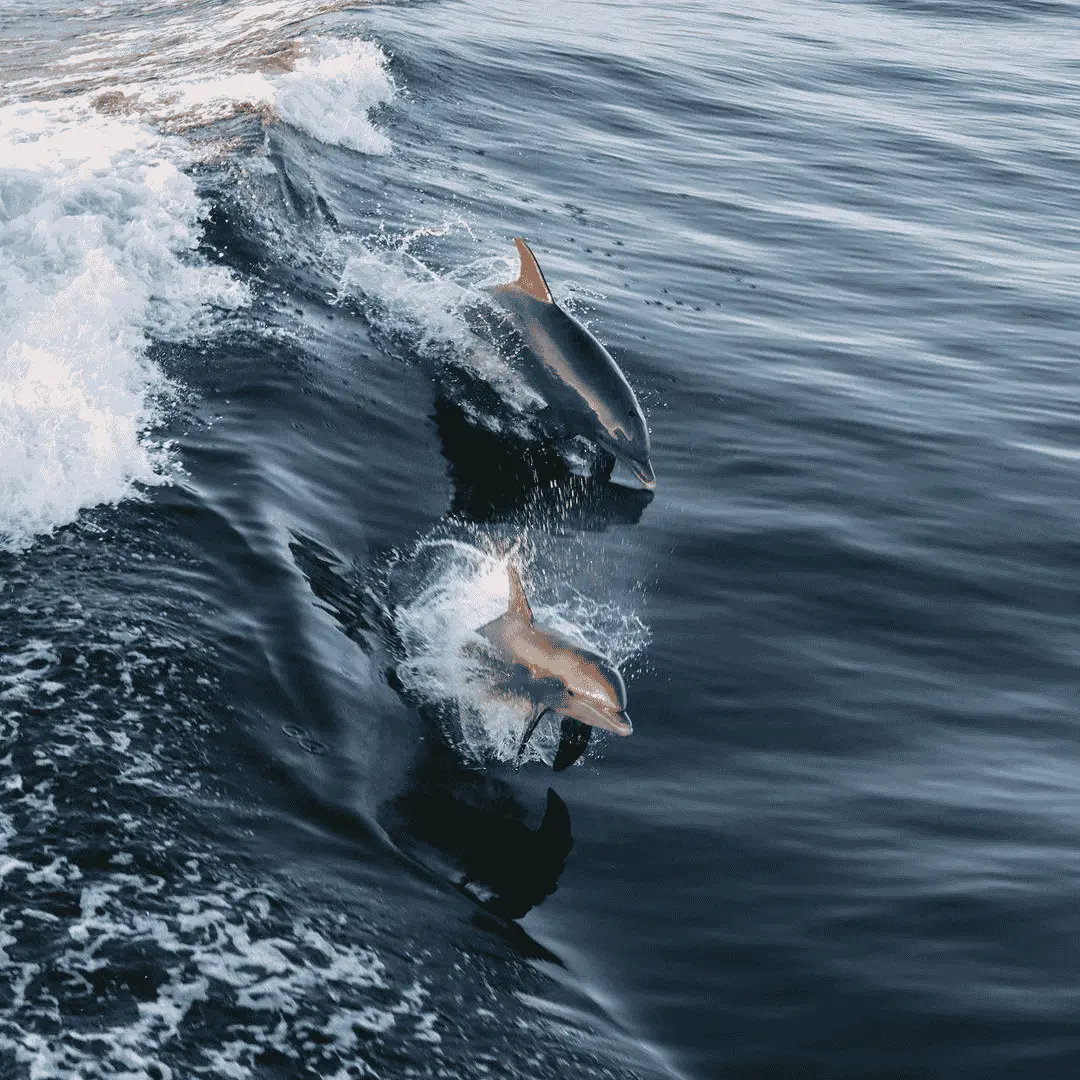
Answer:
(576, 376)
(558, 676)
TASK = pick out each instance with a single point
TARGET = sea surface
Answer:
(259, 810)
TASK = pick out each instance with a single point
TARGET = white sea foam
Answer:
(97, 230)
(404, 299)
(229, 971)
(172, 42)
(329, 94)
(98, 226)
(287, 981)
(460, 586)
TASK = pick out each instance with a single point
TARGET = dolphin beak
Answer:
(633, 474)
(587, 713)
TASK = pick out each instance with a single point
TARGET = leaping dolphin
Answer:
(576, 376)
(558, 676)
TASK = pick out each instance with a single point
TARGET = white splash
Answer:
(463, 584)
(329, 94)
(404, 299)
(97, 231)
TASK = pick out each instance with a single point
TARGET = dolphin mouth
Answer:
(633, 474)
(616, 722)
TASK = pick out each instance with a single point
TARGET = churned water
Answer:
(259, 813)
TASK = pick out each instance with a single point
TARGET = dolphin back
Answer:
(576, 374)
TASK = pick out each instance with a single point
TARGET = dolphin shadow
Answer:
(476, 829)
(464, 826)
(498, 476)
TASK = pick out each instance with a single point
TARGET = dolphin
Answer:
(558, 676)
(576, 376)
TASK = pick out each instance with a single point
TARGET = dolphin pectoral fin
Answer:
(538, 714)
(573, 742)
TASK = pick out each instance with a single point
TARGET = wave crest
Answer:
(97, 238)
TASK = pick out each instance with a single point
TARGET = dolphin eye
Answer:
(569, 692)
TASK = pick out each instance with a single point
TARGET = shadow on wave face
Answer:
(461, 824)
(478, 830)
(499, 476)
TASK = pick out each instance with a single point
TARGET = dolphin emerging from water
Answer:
(558, 676)
(576, 377)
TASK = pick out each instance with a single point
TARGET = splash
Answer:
(98, 228)
(450, 587)
(328, 93)
(417, 311)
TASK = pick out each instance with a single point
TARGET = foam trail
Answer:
(406, 301)
(97, 231)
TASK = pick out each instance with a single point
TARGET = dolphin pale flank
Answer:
(576, 376)
(558, 676)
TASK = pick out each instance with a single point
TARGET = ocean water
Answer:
(259, 482)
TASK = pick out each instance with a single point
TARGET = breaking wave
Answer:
(327, 93)
(98, 230)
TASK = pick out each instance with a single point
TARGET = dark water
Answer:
(259, 818)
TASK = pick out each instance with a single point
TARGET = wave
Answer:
(98, 230)
(328, 93)
(100, 225)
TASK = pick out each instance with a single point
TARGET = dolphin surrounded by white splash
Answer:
(557, 675)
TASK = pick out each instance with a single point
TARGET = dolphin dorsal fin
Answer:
(531, 277)
(519, 605)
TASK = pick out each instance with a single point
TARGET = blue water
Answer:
(257, 817)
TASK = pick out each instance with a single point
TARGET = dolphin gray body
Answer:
(577, 378)
(558, 676)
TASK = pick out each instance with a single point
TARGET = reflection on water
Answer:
(477, 828)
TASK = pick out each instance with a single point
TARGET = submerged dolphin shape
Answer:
(576, 375)
(559, 676)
